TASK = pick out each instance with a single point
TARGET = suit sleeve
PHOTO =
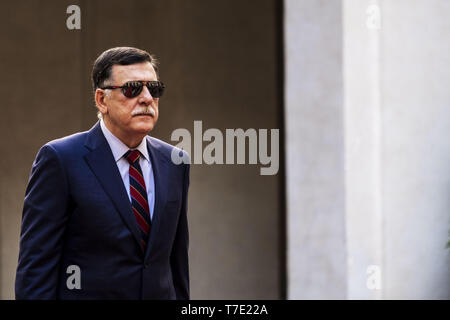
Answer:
(179, 255)
(43, 224)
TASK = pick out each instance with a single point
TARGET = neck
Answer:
(130, 140)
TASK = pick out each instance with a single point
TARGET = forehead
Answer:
(138, 71)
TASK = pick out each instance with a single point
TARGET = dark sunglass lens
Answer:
(132, 90)
(128, 91)
(156, 89)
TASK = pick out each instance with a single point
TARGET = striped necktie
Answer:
(138, 192)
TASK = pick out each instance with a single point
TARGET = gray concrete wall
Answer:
(40, 85)
(368, 170)
(415, 77)
(398, 172)
(221, 65)
(363, 148)
(315, 181)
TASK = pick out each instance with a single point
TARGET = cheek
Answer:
(119, 114)
(125, 109)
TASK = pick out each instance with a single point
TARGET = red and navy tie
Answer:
(138, 192)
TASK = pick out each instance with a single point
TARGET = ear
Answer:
(100, 97)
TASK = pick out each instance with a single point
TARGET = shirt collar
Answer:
(119, 148)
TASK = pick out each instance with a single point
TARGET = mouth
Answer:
(143, 115)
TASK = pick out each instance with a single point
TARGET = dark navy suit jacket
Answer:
(77, 212)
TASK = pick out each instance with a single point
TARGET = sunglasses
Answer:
(132, 89)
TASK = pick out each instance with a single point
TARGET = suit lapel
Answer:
(102, 163)
(160, 173)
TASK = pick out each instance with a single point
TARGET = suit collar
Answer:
(160, 173)
(102, 163)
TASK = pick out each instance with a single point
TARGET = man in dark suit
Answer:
(105, 211)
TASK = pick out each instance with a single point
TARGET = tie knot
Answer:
(132, 156)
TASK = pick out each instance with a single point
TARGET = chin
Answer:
(144, 127)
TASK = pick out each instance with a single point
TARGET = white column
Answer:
(368, 149)
(315, 150)
(415, 80)
(363, 148)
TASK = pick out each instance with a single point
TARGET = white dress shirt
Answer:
(118, 149)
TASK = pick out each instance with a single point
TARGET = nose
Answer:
(145, 97)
